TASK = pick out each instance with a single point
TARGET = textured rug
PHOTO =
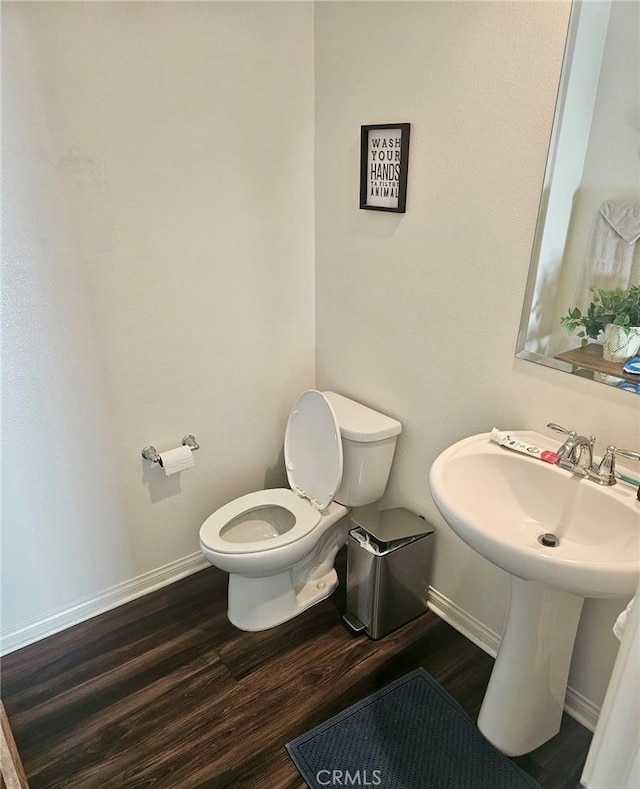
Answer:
(411, 734)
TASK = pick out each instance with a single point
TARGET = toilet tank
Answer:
(368, 443)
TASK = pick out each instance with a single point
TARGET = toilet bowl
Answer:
(279, 545)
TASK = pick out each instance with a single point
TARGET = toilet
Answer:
(279, 545)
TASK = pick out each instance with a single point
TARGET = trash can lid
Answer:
(387, 526)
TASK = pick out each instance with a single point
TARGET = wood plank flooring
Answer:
(165, 692)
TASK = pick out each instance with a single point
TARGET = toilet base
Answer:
(261, 603)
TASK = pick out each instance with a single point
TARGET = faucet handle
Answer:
(607, 467)
(560, 429)
(564, 450)
(627, 453)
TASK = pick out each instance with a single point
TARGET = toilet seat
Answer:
(270, 519)
(306, 518)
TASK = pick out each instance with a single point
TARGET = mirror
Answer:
(588, 231)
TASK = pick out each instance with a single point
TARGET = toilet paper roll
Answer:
(176, 460)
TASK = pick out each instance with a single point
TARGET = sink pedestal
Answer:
(523, 705)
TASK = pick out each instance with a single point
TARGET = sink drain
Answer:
(548, 540)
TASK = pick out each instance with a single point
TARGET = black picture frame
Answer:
(384, 163)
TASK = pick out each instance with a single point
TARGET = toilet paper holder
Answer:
(150, 453)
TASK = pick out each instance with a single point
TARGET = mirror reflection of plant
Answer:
(620, 307)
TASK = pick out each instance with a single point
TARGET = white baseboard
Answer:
(581, 708)
(89, 607)
(575, 704)
(470, 627)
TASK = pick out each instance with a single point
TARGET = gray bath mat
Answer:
(411, 734)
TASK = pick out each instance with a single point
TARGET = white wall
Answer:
(417, 314)
(158, 244)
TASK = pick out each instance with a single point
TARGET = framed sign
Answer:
(384, 159)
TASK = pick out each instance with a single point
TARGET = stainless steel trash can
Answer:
(388, 569)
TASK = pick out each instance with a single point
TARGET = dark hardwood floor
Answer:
(165, 692)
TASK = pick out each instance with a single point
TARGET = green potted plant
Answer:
(615, 313)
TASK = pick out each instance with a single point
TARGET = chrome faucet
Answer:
(576, 454)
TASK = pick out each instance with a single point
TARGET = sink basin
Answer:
(500, 501)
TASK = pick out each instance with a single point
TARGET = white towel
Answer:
(621, 621)
(613, 256)
(624, 218)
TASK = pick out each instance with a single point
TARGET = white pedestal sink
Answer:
(500, 502)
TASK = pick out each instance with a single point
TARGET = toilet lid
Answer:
(313, 449)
